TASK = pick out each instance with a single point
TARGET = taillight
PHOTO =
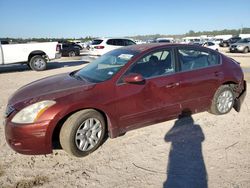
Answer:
(58, 47)
(99, 47)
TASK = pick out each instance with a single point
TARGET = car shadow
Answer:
(50, 66)
(186, 167)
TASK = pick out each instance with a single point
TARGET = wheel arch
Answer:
(56, 130)
(36, 52)
(232, 84)
(229, 83)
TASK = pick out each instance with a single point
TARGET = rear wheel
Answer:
(223, 100)
(246, 50)
(82, 133)
(38, 63)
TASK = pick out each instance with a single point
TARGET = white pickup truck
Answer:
(35, 55)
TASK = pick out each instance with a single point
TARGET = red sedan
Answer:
(127, 88)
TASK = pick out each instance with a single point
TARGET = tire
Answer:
(38, 63)
(223, 100)
(72, 54)
(76, 135)
(246, 50)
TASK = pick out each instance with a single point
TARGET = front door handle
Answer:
(172, 85)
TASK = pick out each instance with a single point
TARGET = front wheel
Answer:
(223, 100)
(82, 133)
(72, 54)
(38, 63)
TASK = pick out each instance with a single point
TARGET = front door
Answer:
(154, 100)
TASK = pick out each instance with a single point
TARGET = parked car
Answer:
(86, 44)
(163, 40)
(217, 41)
(166, 40)
(78, 43)
(70, 50)
(101, 46)
(196, 43)
(124, 89)
(242, 45)
(211, 45)
(226, 43)
(35, 55)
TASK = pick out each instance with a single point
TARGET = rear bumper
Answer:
(58, 55)
(94, 52)
(30, 139)
(239, 100)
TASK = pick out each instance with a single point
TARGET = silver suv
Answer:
(243, 45)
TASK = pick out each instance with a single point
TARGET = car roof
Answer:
(151, 46)
(107, 38)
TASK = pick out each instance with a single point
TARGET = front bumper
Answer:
(239, 100)
(236, 49)
(30, 139)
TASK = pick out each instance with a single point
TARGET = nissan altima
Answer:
(124, 89)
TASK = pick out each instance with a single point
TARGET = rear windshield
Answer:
(96, 42)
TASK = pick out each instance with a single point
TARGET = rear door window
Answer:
(111, 42)
(128, 42)
(119, 42)
(115, 42)
(193, 58)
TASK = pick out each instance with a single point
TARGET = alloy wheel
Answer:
(88, 134)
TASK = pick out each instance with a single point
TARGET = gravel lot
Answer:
(206, 150)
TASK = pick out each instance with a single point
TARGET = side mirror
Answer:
(134, 78)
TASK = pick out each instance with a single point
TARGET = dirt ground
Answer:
(203, 150)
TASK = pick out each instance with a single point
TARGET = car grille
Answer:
(9, 110)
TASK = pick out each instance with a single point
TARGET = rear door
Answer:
(200, 73)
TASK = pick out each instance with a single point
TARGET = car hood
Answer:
(49, 88)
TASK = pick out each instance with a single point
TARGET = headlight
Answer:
(31, 113)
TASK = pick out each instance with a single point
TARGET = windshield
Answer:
(106, 66)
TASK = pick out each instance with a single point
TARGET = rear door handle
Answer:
(172, 85)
